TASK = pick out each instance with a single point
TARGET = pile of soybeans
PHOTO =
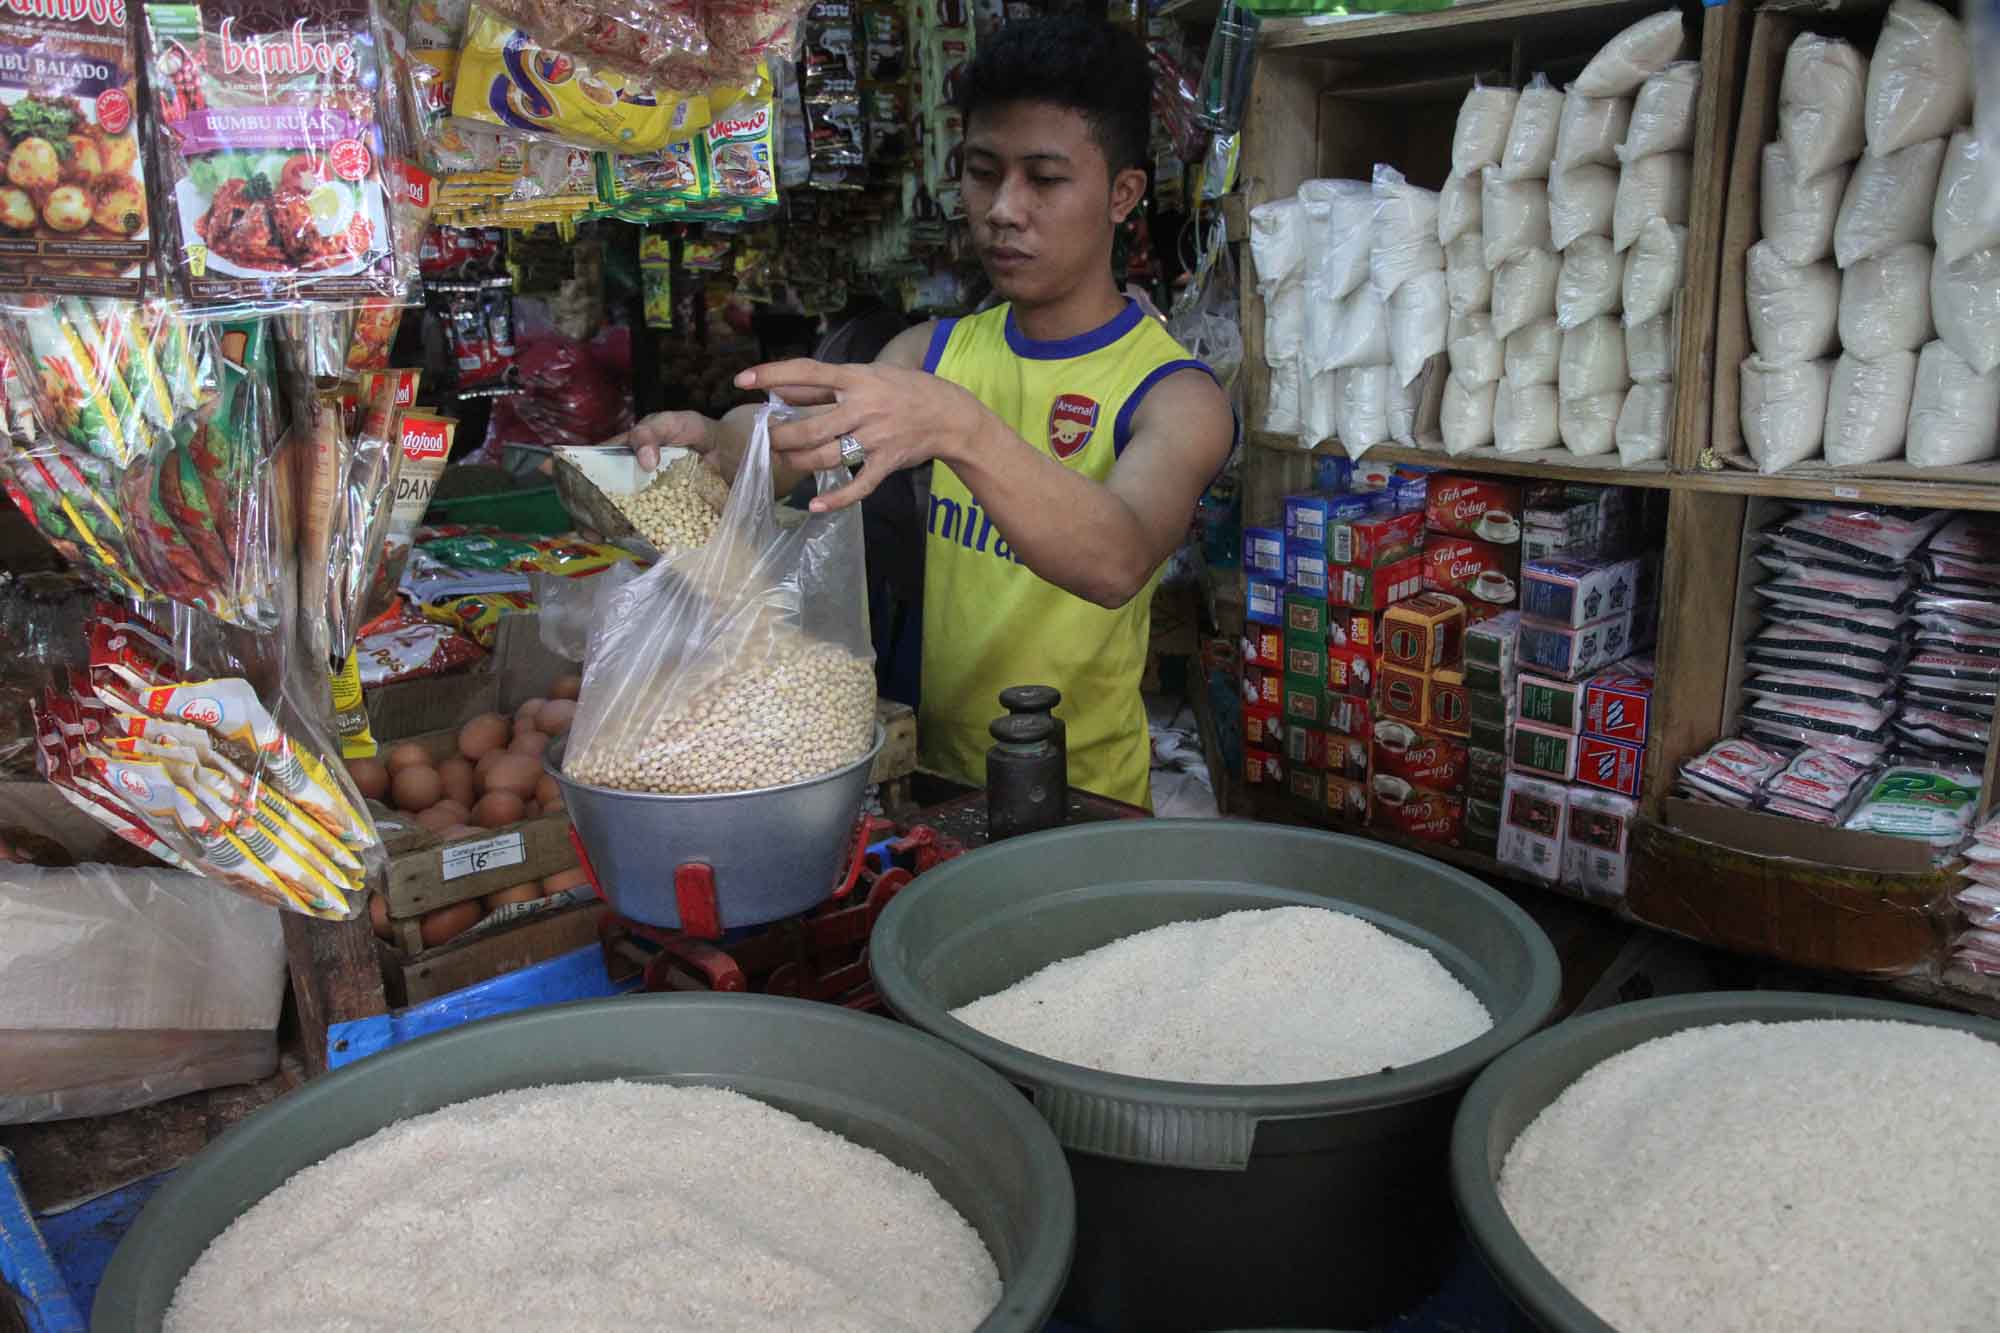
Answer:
(680, 508)
(596, 1206)
(1825, 1175)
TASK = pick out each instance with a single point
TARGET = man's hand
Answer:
(902, 417)
(669, 430)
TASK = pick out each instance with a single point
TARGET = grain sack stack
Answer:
(1465, 417)
(1278, 255)
(1977, 947)
(1526, 271)
(1406, 277)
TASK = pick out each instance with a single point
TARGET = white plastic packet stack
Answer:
(1954, 411)
(1591, 283)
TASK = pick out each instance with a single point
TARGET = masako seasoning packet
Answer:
(73, 194)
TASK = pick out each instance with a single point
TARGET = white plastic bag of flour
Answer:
(1589, 426)
(1364, 408)
(1477, 355)
(1783, 411)
(1277, 243)
(1533, 354)
(1465, 417)
(1531, 135)
(1582, 202)
(1652, 349)
(1643, 423)
(1966, 216)
(1593, 360)
(1525, 418)
(1653, 269)
(1965, 305)
(1663, 113)
(1405, 241)
(1419, 319)
(1337, 259)
(1632, 57)
(1920, 79)
(1468, 283)
(1459, 208)
(1820, 97)
(1888, 202)
(1480, 135)
(1514, 216)
(1885, 303)
(1797, 216)
(1868, 407)
(1651, 187)
(1524, 290)
(1591, 283)
(1794, 311)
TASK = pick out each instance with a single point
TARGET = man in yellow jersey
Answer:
(1067, 435)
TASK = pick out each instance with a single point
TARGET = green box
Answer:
(537, 511)
(1490, 736)
(1305, 617)
(1559, 703)
(1305, 663)
(1483, 816)
(1483, 679)
(1307, 705)
(1307, 785)
(1480, 841)
(1489, 708)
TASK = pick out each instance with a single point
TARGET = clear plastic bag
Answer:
(1794, 312)
(1783, 411)
(1405, 234)
(1592, 282)
(1888, 202)
(1589, 426)
(1632, 57)
(1524, 290)
(1885, 303)
(1480, 134)
(1593, 360)
(1531, 134)
(1652, 349)
(1663, 113)
(1319, 408)
(1282, 409)
(1339, 219)
(1364, 408)
(1402, 411)
(1533, 353)
(1920, 80)
(1797, 216)
(1459, 208)
(1514, 217)
(1465, 416)
(1868, 407)
(1966, 216)
(1358, 334)
(1284, 323)
(1582, 202)
(1277, 244)
(1468, 282)
(1653, 270)
(742, 666)
(1651, 187)
(1954, 411)
(1965, 306)
(1477, 355)
(1644, 423)
(1590, 131)
(1820, 98)
(1525, 418)
(1418, 320)
(126, 987)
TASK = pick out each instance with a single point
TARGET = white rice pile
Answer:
(1286, 995)
(595, 1206)
(1761, 1177)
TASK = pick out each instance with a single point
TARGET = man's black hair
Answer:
(1070, 61)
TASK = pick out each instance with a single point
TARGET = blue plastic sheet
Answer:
(26, 1265)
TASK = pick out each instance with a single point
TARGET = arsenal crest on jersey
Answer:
(1072, 419)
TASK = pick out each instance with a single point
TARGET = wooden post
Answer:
(335, 978)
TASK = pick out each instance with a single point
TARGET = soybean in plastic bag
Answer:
(1663, 113)
(1888, 202)
(1954, 411)
(1514, 217)
(1405, 232)
(1589, 426)
(1920, 80)
(1868, 407)
(1794, 312)
(1468, 282)
(1339, 218)
(1418, 321)
(1592, 282)
(1632, 57)
(1480, 134)
(1783, 410)
(1643, 423)
(1582, 202)
(1820, 99)
(1590, 130)
(740, 666)
(1651, 187)
(1652, 346)
(1465, 417)
(1477, 356)
(1796, 215)
(1459, 208)
(1525, 418)
(1363, 409)
(1593, 360)
(1533, 353)
(1653, 269)
(1885, 303)
(1531, 135)
(1524, 290)
(1965, 305)
(1967, 214)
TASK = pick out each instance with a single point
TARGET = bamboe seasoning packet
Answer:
(271, 151)
(73, 194)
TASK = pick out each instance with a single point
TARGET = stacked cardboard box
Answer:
(1490, 684)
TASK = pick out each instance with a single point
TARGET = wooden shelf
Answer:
(1551, 464)
(1366, 36)
(1881, 483)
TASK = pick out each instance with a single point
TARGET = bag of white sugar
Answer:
(1652, 346)
(1590, 130)
(1582, 202)
(1794, 312)
(1277, 243)
(1653, 269)
(1593, 360)
(1533, 353)
(1888, 202)
(1359, 334)
(1282, 408)
(1954, 411)
(1652, 187)
(1591, 283)
(1920, 80)
(1820, 96)
(1531, 135)
(1885, 302)
(1783, 411)
(1965, 306)
(1341, 220)
(1319, 408)
(1476, 353)
(1966, 216)
(1663, 113)
(1524, 290)
(1363, 409)
(1868, 408)
(1514, 217)
(1405, 235)
(1480, 133)
(1589, 426)
(1525, 418)
(1465, 417)
(1418, 321)
(1643, 421)
(1459, 209)
(1468, 282)
(1797, 216)
(1632, 57)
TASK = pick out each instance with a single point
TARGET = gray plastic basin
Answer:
(1520, 1085)
(908, 1097)
(1201, 1206)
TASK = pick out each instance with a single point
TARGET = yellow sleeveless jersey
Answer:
(991, 622)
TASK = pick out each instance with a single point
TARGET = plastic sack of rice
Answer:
(1920, 79)
(1625, 62)
(1820, 97)
(1794, 312)
(1783, 411)
(1885, 302)
(1954, 411)
(1868, 408)
(1797, 216)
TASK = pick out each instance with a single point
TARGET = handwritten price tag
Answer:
(470, 858)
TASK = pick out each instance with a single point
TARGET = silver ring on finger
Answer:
(851, 452)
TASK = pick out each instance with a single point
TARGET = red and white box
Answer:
(1610, 765)
(1618, 701)
(1351, 671)
(1263, 685)
(1481, 507)
(1379, 539)
(1479, 571)
(1264, 727)
(1423, 759)
(1264, 646)
(1378, 589)
(1428, 816)
(1347, 628)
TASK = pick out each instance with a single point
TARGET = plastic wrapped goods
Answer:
(1477, 355)
(1582, 202)
(1465, 417)
(1965, 305)
(1920, 80)
(1653, 270)
(1643, 423)
(1363, 408)
(1340, 219)
(1593, 360)
(1284, 323)
(1589, 426)
(1652, 187)
(1281, 412)
(1632, 57)
(1868, 407)
(1360, 333)
(1663, 113)
(1459, 208)
(1888, 202)
(1966, 216)
(1820, 96)
(1531, 135)
(1590, 131)
(125, 987)
(1783, 409)
(1525, 418)
(1468, 282)
(1592, 282)
(1885, 303)
(1514, 217)
(1794, 311)
(1480, 135)
(1533, 353)
(1319, 408)
(1402, 412)
(1652, 347)
(1524, 290)
(1796, 215)
(1418, 321)
(1405, 233)
(1277, 243)
(1954, 411)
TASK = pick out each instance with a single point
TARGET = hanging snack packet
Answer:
(273, 161)
(73, 201)
(741, 151)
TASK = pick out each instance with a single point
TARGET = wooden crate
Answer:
(411, 977)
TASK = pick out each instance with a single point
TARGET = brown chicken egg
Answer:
(438, 818)
(566, 687)
(518, 893)
(516, 773)
(498, 808)
(556, 717)
(407, 755)
(416, 789)
(530, 742)
(526, 712)
(483, 734)
(447, 922)
(371, 777)
(456, 775)
(378, 916)
(547, 792)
